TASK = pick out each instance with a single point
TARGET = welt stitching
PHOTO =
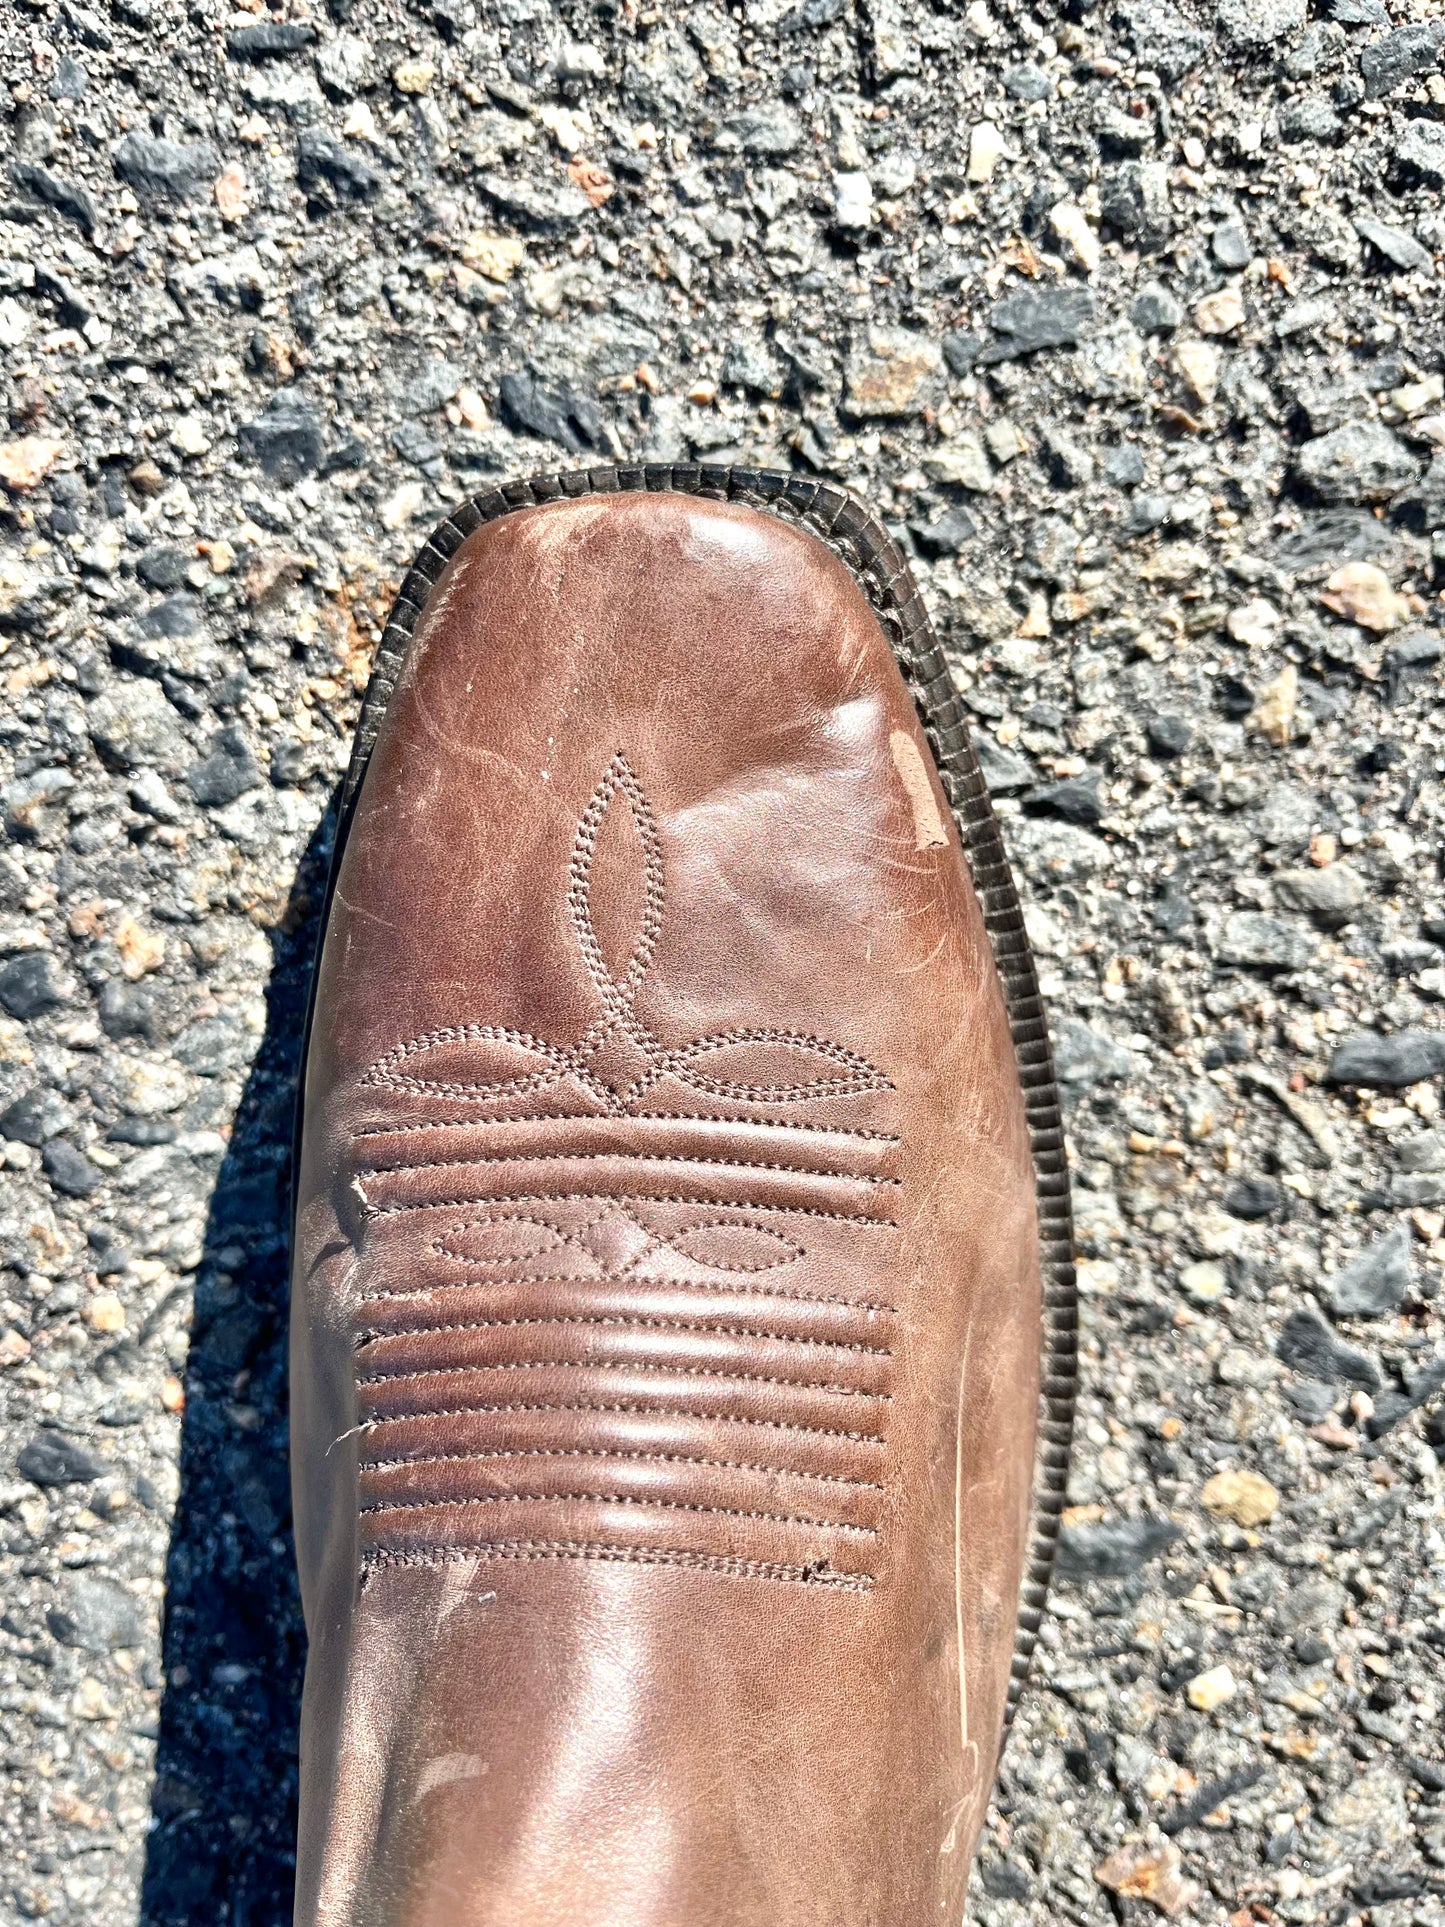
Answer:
(636, 1278)
(628, 1411)
(639, 1117)
(626, 1365)
(607, 1197)
(631, 1324)
(620, 1498)
(630, 1157)
(723, 1567)
(638, 1458)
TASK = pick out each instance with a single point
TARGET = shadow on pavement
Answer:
(221, 1847)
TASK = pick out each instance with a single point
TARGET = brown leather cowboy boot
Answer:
(681, 1258)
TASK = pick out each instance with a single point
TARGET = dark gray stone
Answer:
(69, 198)
(769, 132)
(1311, 117)
(53, 1459)
(1155, 311)
(556, 414)
(1050, 318)
(1027, 82)
(1361, 462)
(167, 170)
(431, 387)
(1123, 464)
(1397, 244)
(1262, 942)
(1389, 1063)
(1399, 56)
(1230, 245)
(1254, 1199)
(287, 440)
(269, 40)
(1421, 1386)
(32, 985)
(162, 566)
(35, 1116)
(1376, 1281)
(330, 172)
(1003, 771)
(1307, 1345)
(1076, 799)
(97, 1615)
(69, 1170)
(227, 771)
(945, 534)
(1113, 1548)
(1163, 38)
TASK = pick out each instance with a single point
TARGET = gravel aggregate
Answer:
(1129, 319)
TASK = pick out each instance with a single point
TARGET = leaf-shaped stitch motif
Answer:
(472, 1061)
(734, 1244)
(619, 788)
(773, 1067)
(500, 1240)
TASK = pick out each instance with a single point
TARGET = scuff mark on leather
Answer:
(446, 1770)
(928, 830)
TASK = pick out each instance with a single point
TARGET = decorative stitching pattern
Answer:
(639, 1197)
(815, 1573)
(632, 1411)
(601, 1452)
(638, 1323)
(656, 1117)
(624, 1365)
(625, 1157)
(634, 1278)
(619, 1498)
(619, 1017)
(864, 547)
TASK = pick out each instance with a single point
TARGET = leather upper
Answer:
(666, 1304)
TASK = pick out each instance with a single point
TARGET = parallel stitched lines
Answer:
(603, 1452)
(480, 1281)
(614, 1498)
(639, 1117)
(627, 1411)
(630, 1323)
(625, 1365)
(638, 1197)
(626, 1157)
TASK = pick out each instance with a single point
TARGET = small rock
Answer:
(33, 985)
(852, 200)
(35, 1116)
(1123, 465)
(1420, 151)
(1263, 942)
(1246, 1497)
(1205, 1282)
(1397, 244)
(1027, 82)
(1229, 245)
(1155, 311)
(69, 198)
(897, 373)
(1054, 318)
(53, 1459)
(1199, 365)
(98, 1615)
(985, 151)
(1084, 1057)
(431, 387)
(227, 770)
(960, 462)
(1307, 1345)
(269, 40)
(287, 440)
(1168, 736)
(1076, 799)
(1220, 313)
(1361, 462)
(1253, 1199)
(1070, 224)
(70, 1171)
(1399, 56)
(1273, 716)
(165, 169)
(1113, 1548)
(1259, 23)
(1375, 1282)
(328, 172)
(1151, 1873)
(1361, 592)
(26, 463)
(1332, 896)
(946, 534)
(1254, 623)
(556, 414)
(1389, 1063)
(1004, 773)
(769, 131)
